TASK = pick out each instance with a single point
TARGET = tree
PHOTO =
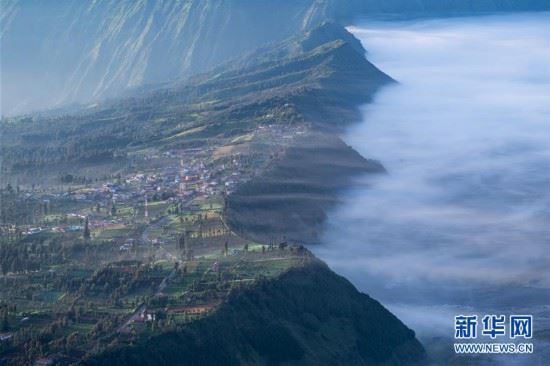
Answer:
(5, 326)
(86, 229)
(181, 242)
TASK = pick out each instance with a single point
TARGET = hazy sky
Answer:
(465, 136)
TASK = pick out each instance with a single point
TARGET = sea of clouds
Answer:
(461, 222)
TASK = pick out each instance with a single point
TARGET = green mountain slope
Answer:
(308, 316)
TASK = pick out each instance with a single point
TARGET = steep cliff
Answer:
(70, 50)
(59, 52)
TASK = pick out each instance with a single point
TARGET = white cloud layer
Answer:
(463, 217)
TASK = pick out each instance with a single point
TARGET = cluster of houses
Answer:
(186, 175)
(129, 244)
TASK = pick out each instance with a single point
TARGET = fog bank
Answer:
(461, 223)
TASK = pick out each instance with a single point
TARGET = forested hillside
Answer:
(304, 317)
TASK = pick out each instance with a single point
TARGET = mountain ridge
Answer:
(319, 84)
(87, 51)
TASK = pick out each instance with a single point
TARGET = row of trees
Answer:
(30, 254)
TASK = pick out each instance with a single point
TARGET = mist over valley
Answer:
(460, 222)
